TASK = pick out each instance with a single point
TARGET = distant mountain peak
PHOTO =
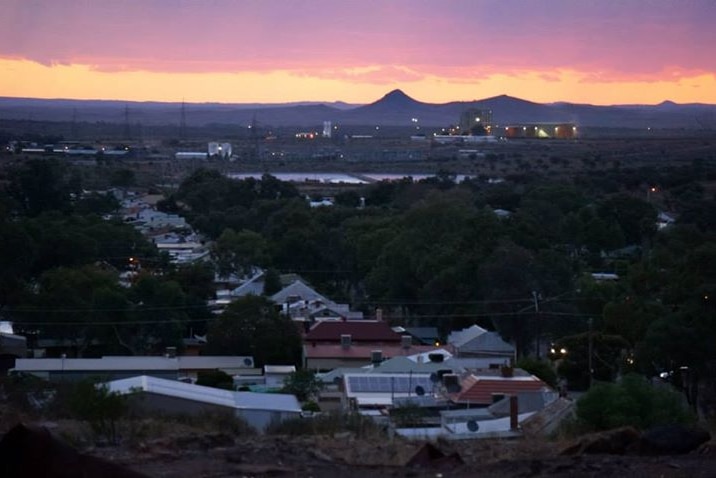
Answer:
(396, 96)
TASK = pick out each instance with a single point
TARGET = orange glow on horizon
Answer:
(23, 78)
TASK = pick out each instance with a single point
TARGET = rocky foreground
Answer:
(622, 452)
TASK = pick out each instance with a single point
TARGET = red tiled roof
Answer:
(479, 390)
(359, 351)
(359, 330)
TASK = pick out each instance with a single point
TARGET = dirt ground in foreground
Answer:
(344, 455)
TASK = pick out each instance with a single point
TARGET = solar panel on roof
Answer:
(387, 384)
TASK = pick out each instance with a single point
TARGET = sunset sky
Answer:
(270, 51)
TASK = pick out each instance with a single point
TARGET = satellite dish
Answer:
(454, 388)
(472, 425)
(248, 362)
(419, 391)
(434, 377)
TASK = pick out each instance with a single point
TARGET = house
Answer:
(297, 299)
(355, 343)
(329, 356)
(152, 395)
(166, 367)
(12, 347)
(364, 332)
(484, 389)
(423, 335)
(664, 220)
(380, 390)
(475, 341)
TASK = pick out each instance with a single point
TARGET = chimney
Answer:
(451, 381)
(345, 341)
(406, 341)
(513, 412)
(507, 371)
(376, 357)
(379, 314)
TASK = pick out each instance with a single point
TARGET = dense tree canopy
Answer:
(429, 252)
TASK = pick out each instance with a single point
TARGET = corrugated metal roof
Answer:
(359, 330)
(131, 363)
(406, 365)
(297, 289)
(238, 400)
(460, 337)
(488, 343)
(361, 351)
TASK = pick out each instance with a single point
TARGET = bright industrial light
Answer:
(563, 351)
(477, 120)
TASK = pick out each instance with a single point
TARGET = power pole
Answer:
(589, 352)
(536, 297)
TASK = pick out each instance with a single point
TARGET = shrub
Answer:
(304, 384)
(311, 407)
(632, 401)
(328, 424)
(98, 406)
(215, 379)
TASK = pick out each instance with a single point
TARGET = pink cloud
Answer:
(406, 39)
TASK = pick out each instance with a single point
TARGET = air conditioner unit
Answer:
(248, 362)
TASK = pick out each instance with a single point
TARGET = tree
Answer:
(239, 252)
(156, 317)
(272, 282)
(72, 303)
(252, 326)
(540, 369)
(41, 185)
(304, 384)
(636, 218)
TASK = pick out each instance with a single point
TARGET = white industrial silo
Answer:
(226, 150)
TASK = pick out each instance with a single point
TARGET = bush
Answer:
(98, 406)
(311, 407)
(633, 401)
(328, 424)
(304, 384)
(215, 379)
